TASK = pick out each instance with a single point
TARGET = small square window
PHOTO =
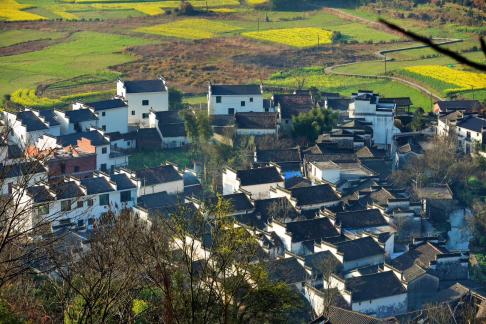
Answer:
(103, 167)
(145, 102)
(80, 223)
(104, 200)
(231, 111)
(90, 202)
(80, 204)
(251, 99)
(43, 209)
(104, 150)
(218, 99)
(103, 113)
(103, 128)
(145, 115)
(66, 205)
(125, 196)
(133, 112)
(243, 104)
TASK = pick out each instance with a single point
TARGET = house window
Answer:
(80, 204)
(103, 167)
(43, 209)
(103, 113)
(125, 196)
(468, 134)
(80, 223)
(218, 99)
(103, 128)
(251, 99)
(231, 111)
(145, 102)
(286, 121)
(76, 169)
(133, 112)
(66, 205)
(243, 103)
(104, 200)
(104, 150)
(63, 167)
(145, 115)
(91, 221)
(90, 202)
(10, 187)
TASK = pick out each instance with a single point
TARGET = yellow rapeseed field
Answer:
(297, 37)
(189, 29)
(11, 10)
(465, 80)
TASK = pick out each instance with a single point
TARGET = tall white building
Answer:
(142, 96)
(366, 105)
(232, 99)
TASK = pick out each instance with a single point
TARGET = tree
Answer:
(313, 123)
(418, 120)
(175, 99)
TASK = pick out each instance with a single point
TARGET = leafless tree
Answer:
(328, 267)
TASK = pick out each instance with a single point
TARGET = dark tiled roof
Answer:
(106, 104)
(296, 182)
(256, 120)
(190, 179)
(157, 200)
(222, 120)
(378, 285)
(14, 151)
(122, 181)
(267, 207)
(160, 174)
(80, 115)
(381, 167)
(30, 120)
(361, 218)
(317, 261)
(400, 101)
(40, 194)
(19, 169)
(95, 137)
(168, 117)
(49, 116)
(65, 190)
(287, 270)
(344, 316)
(413, 261)
(314, 194)
(293, 104)
(279, 155)
(148, 138)
(467, 105)
(96, 185)
(360, 248)
(313, 229)
(239, 201)
(259, 176)
(341, 104)
(138, 86)
(226, 90)
(473, 123)
(173, 130)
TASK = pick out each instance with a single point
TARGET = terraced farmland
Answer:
(189, 29)
(296, 37)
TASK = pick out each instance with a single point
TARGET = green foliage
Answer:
(139, 306)
(313, 123)
(418, 121)
(175, 99)
(6, 316)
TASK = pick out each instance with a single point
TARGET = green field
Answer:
(12, 37)
(148, 159)
(85, 53)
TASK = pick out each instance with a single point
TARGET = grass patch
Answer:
(296, 37)
(149, 159)
(189, 29)
(28, 98)
(85, 53)
(12, 37)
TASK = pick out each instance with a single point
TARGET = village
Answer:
(327, 214)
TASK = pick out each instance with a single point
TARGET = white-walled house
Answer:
(76, 120)
(142, 96)
(380, 294)
(79, 202)
(164, 178)
(112, 114)
(231, 99)
(170, 127)
(334, 172)
(256, 181)
(26, 126)
(366, 105)
(310, 197)
(26, 173)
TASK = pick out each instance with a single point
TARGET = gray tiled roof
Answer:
(139, 86)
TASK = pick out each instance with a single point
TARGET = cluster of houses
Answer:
(310, 208)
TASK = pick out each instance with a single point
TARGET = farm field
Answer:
(85, 53)
(297, 37)
(12, 37)
(149, 159)
(189, 29)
